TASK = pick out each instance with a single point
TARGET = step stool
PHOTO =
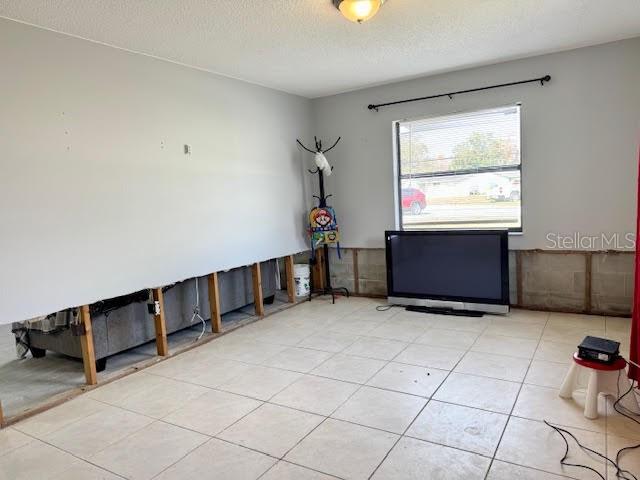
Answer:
(605, 378)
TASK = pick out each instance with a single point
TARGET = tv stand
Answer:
(445, 311)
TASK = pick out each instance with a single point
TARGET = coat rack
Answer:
(322, 202)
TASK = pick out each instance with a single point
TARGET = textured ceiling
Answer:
(306, 47)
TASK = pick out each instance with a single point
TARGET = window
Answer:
(460, 171)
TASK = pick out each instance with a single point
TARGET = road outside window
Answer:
(460, 171)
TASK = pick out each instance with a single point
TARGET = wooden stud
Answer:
(519, 279)
(318, 270)
(88, 351)
(356, 272)
(162, 345)
(291, 284)
(214, 303)
(323, 283)
(587, 282)
(315, 275)
(257, 289)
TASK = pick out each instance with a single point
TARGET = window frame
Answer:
(398, 170)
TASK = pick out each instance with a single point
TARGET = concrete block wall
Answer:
(342, 269)
(565, 281)
(372, 272)
(612, 280)
(361, 271)
(513, 278)
(553, 281)
(568, 281)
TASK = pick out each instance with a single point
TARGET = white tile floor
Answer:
(325, 391)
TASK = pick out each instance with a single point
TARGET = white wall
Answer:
(97, 198)
(579, 142)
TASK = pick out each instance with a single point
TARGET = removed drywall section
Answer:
(341, 269)
(554, 281)
(612, 282)
(513, 278)
(97, 195)
(572, 281)
(372, 268)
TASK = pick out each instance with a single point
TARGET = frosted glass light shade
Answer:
(358, 10)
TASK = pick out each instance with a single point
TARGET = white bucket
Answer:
(301, 277)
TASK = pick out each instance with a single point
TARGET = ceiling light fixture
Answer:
(358, 10)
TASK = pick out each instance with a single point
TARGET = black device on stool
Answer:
(599, 350)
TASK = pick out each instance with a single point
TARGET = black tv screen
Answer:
(464, 266)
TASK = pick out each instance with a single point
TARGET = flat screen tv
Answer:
(452, 270)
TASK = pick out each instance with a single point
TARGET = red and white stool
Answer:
(605, 378)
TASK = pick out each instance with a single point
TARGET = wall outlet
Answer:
(187, 149)
(154, 308)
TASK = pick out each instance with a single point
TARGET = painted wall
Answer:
(97, 198)
(579, 142)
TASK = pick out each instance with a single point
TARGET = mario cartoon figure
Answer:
(322, 217)
(323, 227)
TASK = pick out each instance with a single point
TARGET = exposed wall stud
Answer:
(162, 345)
(318, 270)
(291, 284)
(588, 257)
(86, 343)
(257, 289)
(214, 303)
(519, 279)
(356, 272)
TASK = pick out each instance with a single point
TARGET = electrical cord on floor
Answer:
(385, 308)
(620, 472)
(625, 412)
(563, 461)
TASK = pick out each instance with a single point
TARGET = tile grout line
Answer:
(243, 446)
(197, 447)
(560, 475)
(414, 419)
(215, 436)
(495, 452)
(324, 419)
(359, 387)
(310, 373)
(270, 402)
(393, 359)
(185, 455)
(73, 455)
(297, 465)
(15, 426)
(309, 433)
